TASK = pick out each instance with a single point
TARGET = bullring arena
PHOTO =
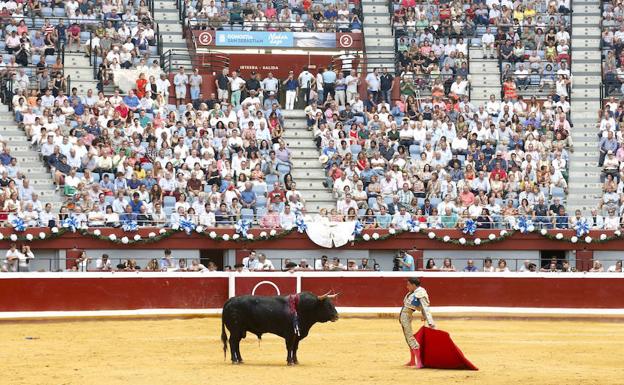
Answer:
(177, 173)
(351, 351)
(516, 346)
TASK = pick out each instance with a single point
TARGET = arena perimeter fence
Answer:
(46, 295)
(312, 265)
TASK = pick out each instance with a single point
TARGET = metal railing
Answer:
(202, 24)
(496, 265)
(255, 218)
(210, 60)
(7, 92)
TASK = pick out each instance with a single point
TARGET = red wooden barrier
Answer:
(131, 291)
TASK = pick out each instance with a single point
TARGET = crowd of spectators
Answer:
(305, 16)
(612, 41)
(440, 162)
(611, 144)
(437, 159)
(531, 39)
(553, 266)
(113, 34)
(45, 30)
(431, 53)
(167, 263)
(137, 158)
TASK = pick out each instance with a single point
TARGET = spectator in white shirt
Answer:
(264, 264)
(400, 219)
(103, 263)
(287, 218)
(487, 43)
(459, 86)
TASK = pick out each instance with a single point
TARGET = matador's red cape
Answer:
(438, 351)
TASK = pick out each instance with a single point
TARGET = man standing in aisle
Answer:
(386, 85)
(488, 42)
(195, 82)
(329, 83)
(372, 84)
(180, 81)
(292, 87)
(353, 81)
(341, 88)
(253, 84)
(319, 86)
(269, 84)
(237, 84)
(222, 82)
(416, 299)
(306, 82)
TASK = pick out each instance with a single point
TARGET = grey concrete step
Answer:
(307, 173)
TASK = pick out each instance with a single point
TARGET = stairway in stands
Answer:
(170, 25)
(378, 38)
(28, 159)
(584, 181)
(484, 77)
(79, 69)
(307, 171)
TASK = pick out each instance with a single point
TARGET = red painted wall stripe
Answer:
(129, 293)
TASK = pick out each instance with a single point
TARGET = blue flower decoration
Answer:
(242, 227)
(470, 227)
(130, 226)
(301, 225)
(70, 223)
(582, 227)
(523, 224)
(186, 225)
(18, 224)
(357, 230)
(413, 226)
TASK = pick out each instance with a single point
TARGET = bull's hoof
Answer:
(296, 362)
(237, 362)
(290, 363)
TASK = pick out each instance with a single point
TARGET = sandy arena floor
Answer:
(351, 351)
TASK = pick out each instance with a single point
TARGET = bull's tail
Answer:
(224, 339)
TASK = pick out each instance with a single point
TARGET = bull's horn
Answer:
(332, 296)
(324, 296)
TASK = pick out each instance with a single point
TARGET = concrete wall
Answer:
(44, 260)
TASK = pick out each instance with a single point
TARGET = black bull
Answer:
(260, 315)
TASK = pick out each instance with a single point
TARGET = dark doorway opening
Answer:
(212, 255)
(548, 256)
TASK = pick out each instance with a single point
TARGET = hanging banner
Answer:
(254, 39)
(310, 40)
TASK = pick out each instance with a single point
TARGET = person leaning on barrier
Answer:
(364, 265)
(152, 265)
(103, 263)
(322, 263)
(470, 267)
(303, 265)
(263, 263)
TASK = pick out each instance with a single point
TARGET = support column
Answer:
(584, 259)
